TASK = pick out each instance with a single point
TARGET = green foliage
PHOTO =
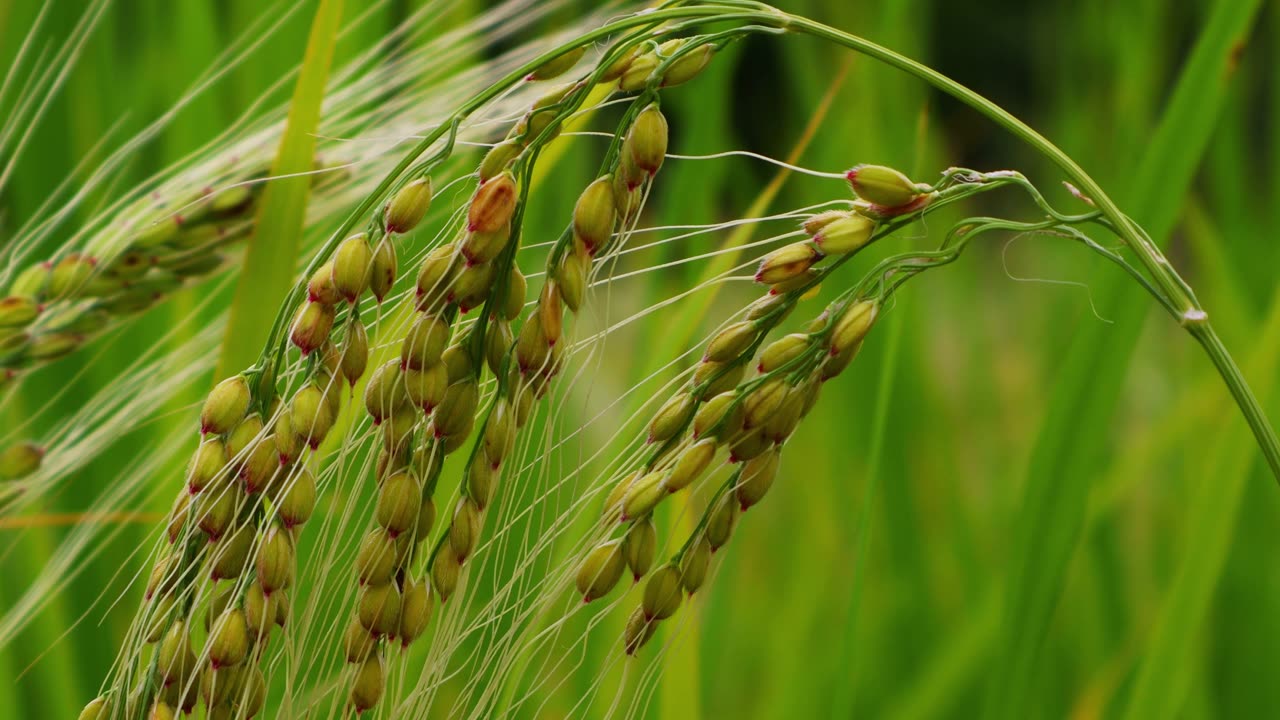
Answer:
(1006, 505)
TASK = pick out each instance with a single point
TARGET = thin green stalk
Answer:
(1193, 316)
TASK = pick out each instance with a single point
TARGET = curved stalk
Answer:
(1191, 315)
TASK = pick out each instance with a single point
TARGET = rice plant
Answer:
(478, 421)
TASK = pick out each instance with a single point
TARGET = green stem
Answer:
(1240, 390)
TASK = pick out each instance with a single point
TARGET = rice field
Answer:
(901, 359)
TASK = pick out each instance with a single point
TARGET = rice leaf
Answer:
(1064, 461)
(270, 259)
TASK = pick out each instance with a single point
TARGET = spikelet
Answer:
(408, 206)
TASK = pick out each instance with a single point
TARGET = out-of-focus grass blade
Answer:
(1072, 438)
(273, 251)
(1165, 677)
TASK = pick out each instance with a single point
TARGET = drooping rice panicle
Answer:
(232, 543)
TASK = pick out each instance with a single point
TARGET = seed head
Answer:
(688, 66)
(600, 570)
(175, 661)
(351, 265)
(379, 608)
(355, 351)
(226, 404)
(312, 415)
(853, 326)
(481, 480)
(415, 610)
(757, 477)
(532, 347)
(722, 414)
(497, 341)
(690, 465)
(260, 465)
(517, 288)
(499, 432)
(457, 361)
(164, 575)
(359, 644)
(408, 206)
(456, 412)
(814, 224)
(619, 64)
(481, 247)
(471, 288)
(425, 342)
(465, 529)
(713, 378)
(767, 305)
(493, 204)
(749, 445)
(435, 277)
(785, 420)
(731, 342)
(32, 282)
(275, 559)
(787, 263)
(662, 593)
(242, 438)
(17, 311)
(761, 403)
(646, 141)
(644, 496)
(845, 235)
(782, 351)
(694, 565)
(230, 553)
(376, 558)
(311, 326)
(215, 510)
(156, 617)
(426, 387)
(639, 630)
(444, 573)
(219, 686)
(639, 545)
(559, 65)
(571, 279)
(720, 524)
(399, 500)
(636, 75)
(613, 503)
(671, 417)
(595, 213)
(98, 708)
(253, 695)
(385, 392)
(20, 460)
(178, 517)
(160, 711)
(366, 689)
(320, 287)
(382, 270)
(628, 195)
(498, 159)
(883, 186)
(70, 275)
(229, 639)
(260, 611)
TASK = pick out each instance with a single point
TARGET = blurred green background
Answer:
(1025, 499)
